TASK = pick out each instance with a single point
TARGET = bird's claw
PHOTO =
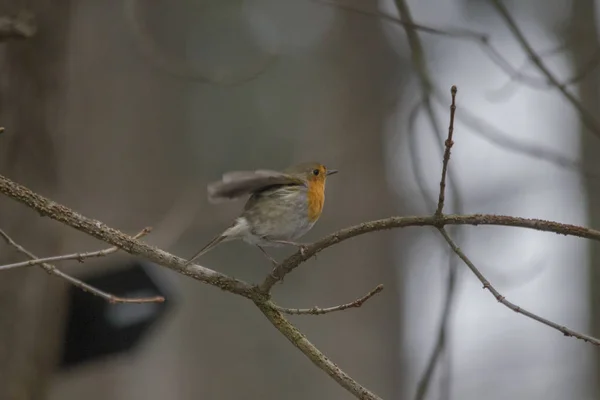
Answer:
(303, 249)
(275, 277)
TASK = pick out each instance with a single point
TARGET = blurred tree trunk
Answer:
(31, 302)
(583, 21)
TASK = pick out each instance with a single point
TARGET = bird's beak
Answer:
(331, 172)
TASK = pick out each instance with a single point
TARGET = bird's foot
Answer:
(303, 249)
(301, 246)
(273, 261)
(274, 275)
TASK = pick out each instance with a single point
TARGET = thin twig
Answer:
(75, 256)
(52, 270)
(586, 118)
(320, 311)
(440, 343)
(487, 285)
(543, 83)
(448, 146)
(428, 91)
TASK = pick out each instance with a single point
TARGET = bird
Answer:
(283, 205)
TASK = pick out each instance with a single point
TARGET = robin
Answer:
(283, 206)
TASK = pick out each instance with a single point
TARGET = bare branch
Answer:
(305, 346)
(52, 270)
(544, 84)
(292, 262)
(97, 229)
(133, 246)
(259, 295)
(482, 39)
(428, 90)
(75, 256)
(440, 343)
(320, 311)
(487, 131)
(487, 285)
(455, 33)
(588, 120)
(448, 147)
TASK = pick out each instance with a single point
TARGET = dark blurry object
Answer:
(97, 328)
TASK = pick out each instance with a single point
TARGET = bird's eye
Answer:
(315, 172)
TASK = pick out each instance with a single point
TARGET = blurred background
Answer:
(125, 110)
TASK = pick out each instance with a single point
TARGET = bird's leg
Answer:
(275, 263)
(302, 247)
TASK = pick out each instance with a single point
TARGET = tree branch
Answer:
(133, 246)
(305, 346)
(588, 119)
(487, 285)
(292, 262)
(448, 147)
(320, 311)
(260, 295)
(52, 270)
(480, 127)
(97, 229)
(75, 256)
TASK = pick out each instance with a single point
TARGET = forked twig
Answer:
(486, 284)
(52, 270)
(81, 257)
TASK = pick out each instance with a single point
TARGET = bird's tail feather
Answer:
(238, 229)
(207, 248)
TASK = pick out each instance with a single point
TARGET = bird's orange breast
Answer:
(316, 199)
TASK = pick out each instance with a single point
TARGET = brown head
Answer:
(314, 175)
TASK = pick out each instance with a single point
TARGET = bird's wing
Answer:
(236, 184)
